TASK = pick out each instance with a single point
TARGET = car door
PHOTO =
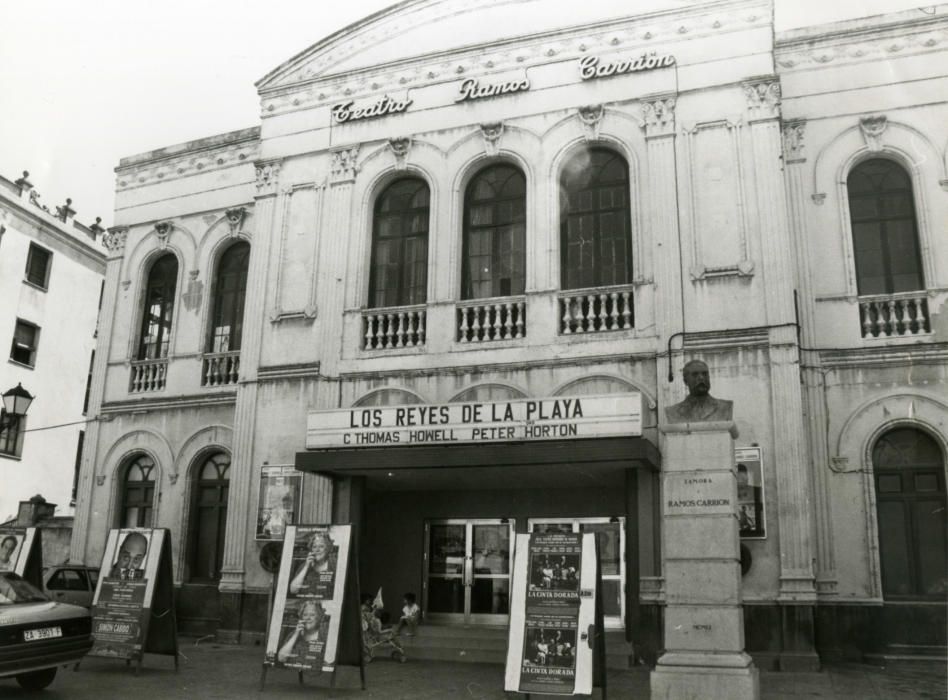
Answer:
(69, 586)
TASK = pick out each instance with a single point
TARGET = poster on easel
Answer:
(133, 607)
(21, 551)
(556, 617)
(314, 623)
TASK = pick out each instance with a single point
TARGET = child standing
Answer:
(411, 614)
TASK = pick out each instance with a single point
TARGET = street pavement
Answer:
(210, 670)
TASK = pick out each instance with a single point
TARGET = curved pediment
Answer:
(431, 27)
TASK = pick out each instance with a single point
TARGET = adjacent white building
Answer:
(51, 274)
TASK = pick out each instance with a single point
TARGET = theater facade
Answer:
(445, 289)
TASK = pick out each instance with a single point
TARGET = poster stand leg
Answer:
(263, 676)
(301, 677)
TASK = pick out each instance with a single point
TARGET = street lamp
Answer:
(16, 402)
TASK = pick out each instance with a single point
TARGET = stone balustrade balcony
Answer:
(394, 327)
(894, 315)
(148, 375)
(485, 320)
(220, 368)
(596, 310)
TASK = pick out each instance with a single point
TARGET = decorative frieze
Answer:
(491, 134)
(793, 135)
(863, 51)
(763, 98)
(344, 164)
(115, 238)
(872, 128)
(187, 164)
(658, 116)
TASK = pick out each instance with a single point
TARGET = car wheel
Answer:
(36, 680)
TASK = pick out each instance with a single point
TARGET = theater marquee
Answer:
(494, 421)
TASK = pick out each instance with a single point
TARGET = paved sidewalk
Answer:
(210, 670)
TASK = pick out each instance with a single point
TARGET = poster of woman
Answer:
(9, 550)
(303, 638)
(314, 563)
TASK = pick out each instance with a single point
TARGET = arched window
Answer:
(159, 307)
(885, 234)
(138, 493)
(230, 289)
(595, 221)
(495, 215)
(399, 275)
(208, 518)
(910, 499)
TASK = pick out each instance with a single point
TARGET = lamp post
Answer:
(16, 402)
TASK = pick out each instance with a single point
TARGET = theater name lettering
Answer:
(473, 89)
(385, 105)
(594, 67)
(493, 421)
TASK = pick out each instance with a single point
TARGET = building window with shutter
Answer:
(25, 341)
(37, 266)
(11, 436)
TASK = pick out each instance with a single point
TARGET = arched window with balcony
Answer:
(208, 518)
(595, 242)
(887, 254)
(909, 470)
(494, 255)
(155, 337)
(222, 359)
(137, 496)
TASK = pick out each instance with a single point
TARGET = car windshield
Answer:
(14, 589)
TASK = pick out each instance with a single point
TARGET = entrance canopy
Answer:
(540, 464)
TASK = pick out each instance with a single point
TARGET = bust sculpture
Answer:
(700, 406)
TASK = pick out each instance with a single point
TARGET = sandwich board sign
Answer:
(21, 551)
(556, 644)
(314, 623)
(133, 609)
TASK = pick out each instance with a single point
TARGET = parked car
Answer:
(37, 635)
(69, 583)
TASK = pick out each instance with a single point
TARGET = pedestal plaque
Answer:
(704, 621)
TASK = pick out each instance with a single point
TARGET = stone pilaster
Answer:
(658, 121)
(795, 168)
(704, 619)
(114, 242)
(240, 512)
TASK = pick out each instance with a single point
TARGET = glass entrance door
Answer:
(610, 533)
(467, 571)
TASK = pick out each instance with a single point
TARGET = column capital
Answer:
(658, 115)
(268, 176)
(793, 141)
(344, 164)
(114, 240)
(763, 97)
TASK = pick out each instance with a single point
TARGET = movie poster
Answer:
(554, 604)
(123, 595)
(11, 545)
(304, 628)
(750, 493)
(280, 499)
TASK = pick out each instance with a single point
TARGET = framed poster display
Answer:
(751, 513)
(281, 489)
(133, 606)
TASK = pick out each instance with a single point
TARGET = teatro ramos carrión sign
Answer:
(492, 421)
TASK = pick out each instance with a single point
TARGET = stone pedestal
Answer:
(704, 621)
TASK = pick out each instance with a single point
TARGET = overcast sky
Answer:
(83, 84)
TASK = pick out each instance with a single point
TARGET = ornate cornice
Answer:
(185, 165)
(859, 48)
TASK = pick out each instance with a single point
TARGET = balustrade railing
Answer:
(498, 319)
(393, 328)
(220, 368)
(596, 310)
(894, 315)
(148, 375)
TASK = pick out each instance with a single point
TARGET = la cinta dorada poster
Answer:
(21, 552)
(308, 602)
(553, 609)
(134, 586)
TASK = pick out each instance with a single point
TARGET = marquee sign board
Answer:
(492, 421)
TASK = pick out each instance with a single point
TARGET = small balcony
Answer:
(483, 321)
(393, 328)
(148, 375)
(596, 310)
(894, 315)
(220, 368)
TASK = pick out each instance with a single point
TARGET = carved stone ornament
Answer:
(793, 134)
(343, 167)
(173, 479)
(163, 230)
(873, 127)
(763, 98)
(235, 219)
(590, 117)
(99, 479)
(658, 116)
(400, 148)
(114, 240)
(267, 175)
(491, 134)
